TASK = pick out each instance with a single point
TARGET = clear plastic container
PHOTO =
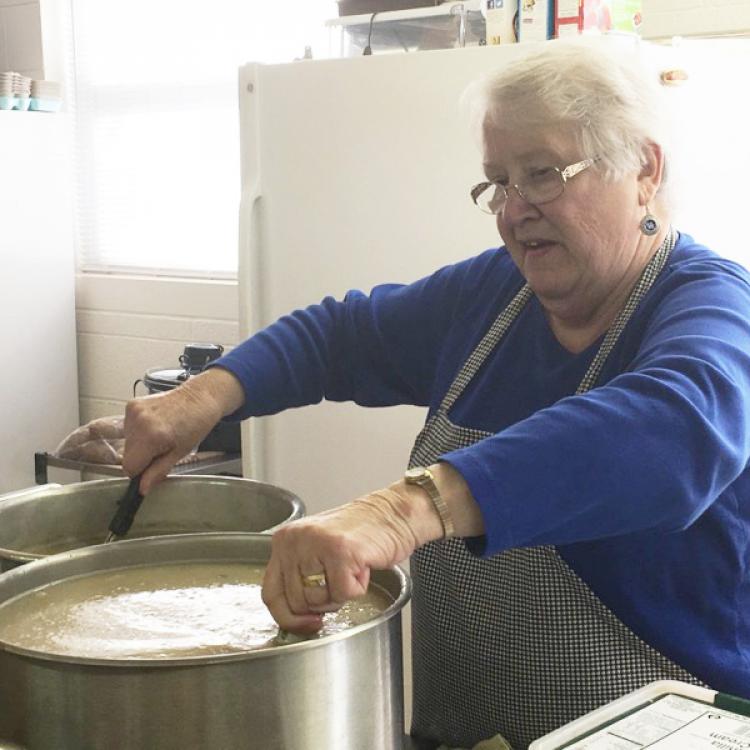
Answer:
(445, 26)
(49, 104)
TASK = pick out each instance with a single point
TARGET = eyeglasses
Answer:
(539, 186)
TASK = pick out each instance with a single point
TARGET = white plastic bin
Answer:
(664, 715)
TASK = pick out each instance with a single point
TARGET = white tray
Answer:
(681, 720)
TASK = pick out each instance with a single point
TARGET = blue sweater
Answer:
(641, 483)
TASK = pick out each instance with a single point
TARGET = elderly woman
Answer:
(577, 511)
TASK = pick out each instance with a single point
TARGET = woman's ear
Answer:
(652, 172)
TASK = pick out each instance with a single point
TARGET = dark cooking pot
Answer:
(225, 436)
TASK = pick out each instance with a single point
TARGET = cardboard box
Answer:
(574, 16)
(536, 20)
(500, 17)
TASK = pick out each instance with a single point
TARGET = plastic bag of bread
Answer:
(101, 441)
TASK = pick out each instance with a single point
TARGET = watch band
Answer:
(423, 477)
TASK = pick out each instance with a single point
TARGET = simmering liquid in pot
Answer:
(66, 544)
(166, 611)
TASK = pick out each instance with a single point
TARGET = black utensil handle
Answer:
(127, 508)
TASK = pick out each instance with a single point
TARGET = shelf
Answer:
(455, 24)
(428, 12)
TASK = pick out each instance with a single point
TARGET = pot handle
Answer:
(29, 492)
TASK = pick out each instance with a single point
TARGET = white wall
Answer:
(38, 388)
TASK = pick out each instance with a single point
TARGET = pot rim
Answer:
(122, 547)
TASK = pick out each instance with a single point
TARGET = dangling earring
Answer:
(649, 223)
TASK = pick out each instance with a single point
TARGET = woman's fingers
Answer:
(346, 582)
(314, 587)
(304, 581)
(275, 598)
(158, 470)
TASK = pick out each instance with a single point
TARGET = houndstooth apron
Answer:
(517, 643)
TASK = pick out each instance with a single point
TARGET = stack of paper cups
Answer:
(46, 96)
(14, 91)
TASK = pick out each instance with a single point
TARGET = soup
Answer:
(166, 611)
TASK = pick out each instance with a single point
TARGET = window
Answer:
(156, 134)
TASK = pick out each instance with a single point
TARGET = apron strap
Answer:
(486, 345)
(503, 322)
(645, 282)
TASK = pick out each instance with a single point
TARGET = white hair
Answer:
(603, 88)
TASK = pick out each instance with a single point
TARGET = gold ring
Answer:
(314, 581)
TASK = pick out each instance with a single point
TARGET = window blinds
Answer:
(156, 124)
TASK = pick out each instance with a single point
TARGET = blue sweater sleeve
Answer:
(650, 449)
(376, 350)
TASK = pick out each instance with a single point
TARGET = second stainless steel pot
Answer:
(54, 518)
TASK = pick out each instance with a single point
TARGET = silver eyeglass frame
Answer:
(565, 173)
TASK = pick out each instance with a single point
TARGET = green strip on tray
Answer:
(732, 703)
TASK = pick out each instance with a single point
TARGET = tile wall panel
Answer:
(222, 332)
(129, 325)
(133, 325)
(190, 298)
(94, 408)
(109, 365)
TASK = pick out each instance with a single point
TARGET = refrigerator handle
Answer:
(250, 270)
(251, 319)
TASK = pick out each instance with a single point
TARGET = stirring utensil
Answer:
(127, 507)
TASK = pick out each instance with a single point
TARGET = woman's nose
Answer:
(516, 207)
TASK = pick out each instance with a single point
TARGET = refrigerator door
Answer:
(355, 172)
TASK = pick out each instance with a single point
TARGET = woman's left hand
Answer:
(320, 562)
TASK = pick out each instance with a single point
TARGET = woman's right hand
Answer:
(340, 548)
(163, 428)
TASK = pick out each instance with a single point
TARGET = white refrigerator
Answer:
(357, 171)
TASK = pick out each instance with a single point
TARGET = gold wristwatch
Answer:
(424, 478)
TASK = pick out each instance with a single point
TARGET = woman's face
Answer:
(579, 248)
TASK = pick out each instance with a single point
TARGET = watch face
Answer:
(415, 474)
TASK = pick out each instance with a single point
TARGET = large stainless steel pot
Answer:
(54, 518)
(343, 691)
